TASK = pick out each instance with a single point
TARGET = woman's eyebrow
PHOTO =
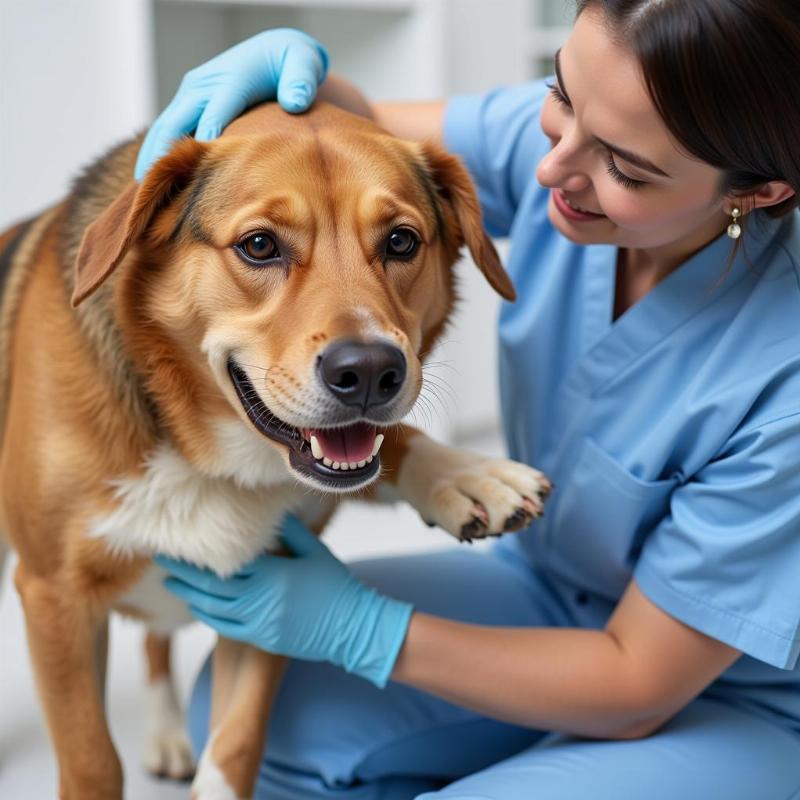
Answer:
(626, 155)
(632, 158)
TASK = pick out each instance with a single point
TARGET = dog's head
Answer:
(295, 271)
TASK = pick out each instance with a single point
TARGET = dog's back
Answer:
(50, 241)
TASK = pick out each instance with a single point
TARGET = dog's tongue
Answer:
(353, 443)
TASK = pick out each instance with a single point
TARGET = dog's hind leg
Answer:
(167, 749)
(245, 681)
(4, 550)
(65, 638)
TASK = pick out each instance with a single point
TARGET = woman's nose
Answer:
(561, 169)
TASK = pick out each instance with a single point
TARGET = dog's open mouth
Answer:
(338, 457)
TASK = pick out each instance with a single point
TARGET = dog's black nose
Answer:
(363, 374)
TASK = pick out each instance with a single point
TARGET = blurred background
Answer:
(78, 76)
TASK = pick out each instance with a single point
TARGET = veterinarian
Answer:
(642, 639)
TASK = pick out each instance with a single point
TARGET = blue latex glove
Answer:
(283, 63)
(309, 607)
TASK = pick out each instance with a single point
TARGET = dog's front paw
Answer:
(168, 753)
(471, 496)
(487, 498)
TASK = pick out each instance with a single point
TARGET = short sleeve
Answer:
(726, 561)
(499, 138)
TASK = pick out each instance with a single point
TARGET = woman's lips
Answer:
(571, 213)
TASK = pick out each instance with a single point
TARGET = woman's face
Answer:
(613, 156)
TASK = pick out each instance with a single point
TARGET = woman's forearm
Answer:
(572, 680)
(412, 120)
(342, 93)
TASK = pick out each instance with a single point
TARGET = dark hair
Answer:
(725, 77)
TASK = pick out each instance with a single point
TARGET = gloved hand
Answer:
(282, 62)
(309, 607)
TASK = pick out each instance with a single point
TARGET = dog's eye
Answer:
(259, 248)
(402, 243)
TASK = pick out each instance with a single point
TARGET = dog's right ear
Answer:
(106, 241)
(454, 186)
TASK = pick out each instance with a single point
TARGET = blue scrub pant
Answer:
(333, 735)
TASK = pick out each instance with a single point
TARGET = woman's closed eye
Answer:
(620, 177)
(558, 95)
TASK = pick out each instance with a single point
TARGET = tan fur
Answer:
(157, 649)
(113, 307)
(245, 683)
(19, 271)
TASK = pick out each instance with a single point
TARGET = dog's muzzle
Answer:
(342, 458)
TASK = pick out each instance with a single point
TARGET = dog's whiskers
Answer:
(436, 385)
(254, 366)
(427, 366)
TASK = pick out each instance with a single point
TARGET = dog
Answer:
(187, 359)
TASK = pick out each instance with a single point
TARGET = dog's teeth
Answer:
(345, 465)
(369, 460)
(316, 449)
(377, 445)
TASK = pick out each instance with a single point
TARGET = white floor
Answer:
(27, 770)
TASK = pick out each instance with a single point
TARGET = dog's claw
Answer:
(481, 514)
(473, 529)
(533, 508)
(518, 520)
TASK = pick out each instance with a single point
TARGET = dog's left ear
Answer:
(454, 186)
(106, 241)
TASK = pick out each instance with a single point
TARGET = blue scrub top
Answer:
(672, 434)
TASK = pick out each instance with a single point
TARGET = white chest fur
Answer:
(219, 518)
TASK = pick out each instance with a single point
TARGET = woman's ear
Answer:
(771, 193)
(106, 241)
(455, 187)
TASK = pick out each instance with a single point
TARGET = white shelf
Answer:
(365, 5)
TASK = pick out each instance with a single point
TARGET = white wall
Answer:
(75, 78)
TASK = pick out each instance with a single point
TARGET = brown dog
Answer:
(187, 359)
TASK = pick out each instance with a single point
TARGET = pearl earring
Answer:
(735, 229)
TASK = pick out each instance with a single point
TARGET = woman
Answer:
(642, 639)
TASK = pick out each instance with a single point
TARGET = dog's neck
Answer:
(245, 457)
(220, 517)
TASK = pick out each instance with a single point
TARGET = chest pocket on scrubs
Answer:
(601, 515)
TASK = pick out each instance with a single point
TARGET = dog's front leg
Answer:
(245, 681)
(469, 495)
(65, 639)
